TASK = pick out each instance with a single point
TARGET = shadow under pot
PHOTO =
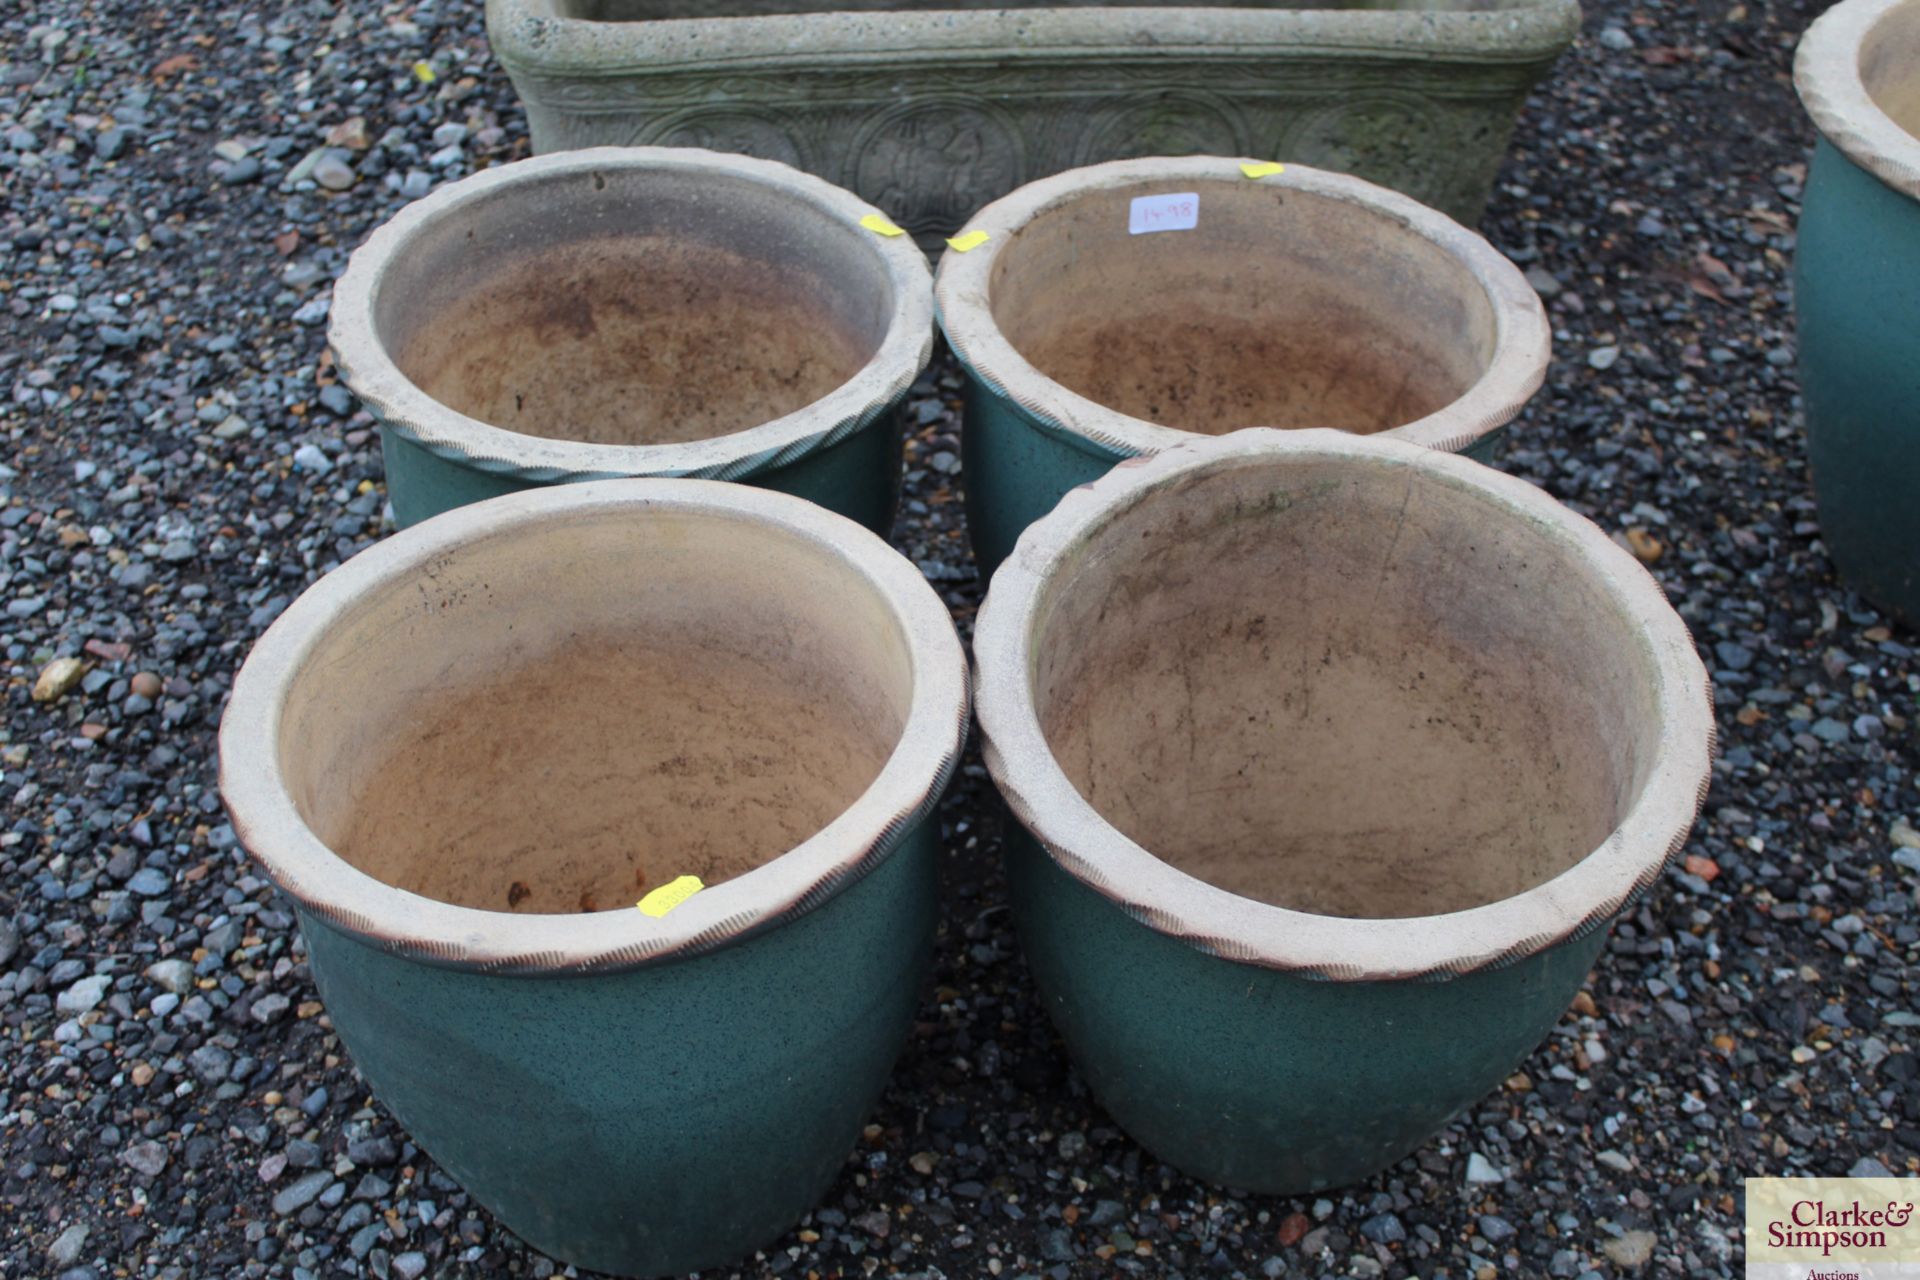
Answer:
(1855, 298)
(632, 312)
(485, 756)
(1125, 308)
(1333, 760)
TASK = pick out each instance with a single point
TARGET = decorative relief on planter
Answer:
(931, 115)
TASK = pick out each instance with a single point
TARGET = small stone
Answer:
(312, 459)
(213, 1065)
(66, 1247)
(1482, 1170)
(1293, 1228)
(298, 1195)
(84, 995)
(150, 882)
(417, 183)
(1868, 1167)
(1494, 1229)
(171, 975)
(1543, 281)
(1603, 358)
(410, 1266)
(241, 171)
(232, 150)
(269, 1008)
(1616, 1161)
(333, 173)
(1631, 1249)
(1903, 835)
(57, 679)
(1383, 1228)
(145, 1157)
(145, 684)
(350, 133)
(1616, 39)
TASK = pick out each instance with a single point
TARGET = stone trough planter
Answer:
(635, 312)
(1333, 759)
(472, 751)
(1855, 296)
(931, 109)
(1295, 299)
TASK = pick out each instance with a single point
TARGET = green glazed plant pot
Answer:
(639, 311)
(1291, 299)
(1857, 293)
(1334, 758)
(482, 756)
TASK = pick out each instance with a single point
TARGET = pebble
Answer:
(300, 1193)
(1630, 1249)
(149, 882)
(148, 1157)
(84, 995)
(333, 173)
(57, 679)
(67, 1246)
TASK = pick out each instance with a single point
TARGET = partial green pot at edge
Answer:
(1857, 293)
(1297, 299)
(1333, 759)
(473, 753)
(636, 311)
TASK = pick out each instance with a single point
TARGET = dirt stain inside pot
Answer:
(579, 782)
(1351, 695)
(635, 340)
(1279, 309)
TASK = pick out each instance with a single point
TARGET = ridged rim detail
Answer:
(1586, 897)
(904, 794)
(371, 374)
(530, 38)
(1522, 338)
(1826, 74)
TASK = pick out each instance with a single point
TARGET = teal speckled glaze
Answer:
(1298, 299)
(1244, 699)
(859, 477)
(1015, 466)
(1857, 294)
(1256, 1078)
(661, 1120)
(488, 757)
(635, 312)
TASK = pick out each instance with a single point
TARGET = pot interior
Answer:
(633, 305)
(1353, 690)
(1890, 65)
(1281, 308)
(560, 718)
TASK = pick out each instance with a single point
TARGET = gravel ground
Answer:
(182, 184)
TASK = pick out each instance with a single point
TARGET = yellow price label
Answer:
(1262, 169)
(970, 240)
(669, 895)
(881, 224)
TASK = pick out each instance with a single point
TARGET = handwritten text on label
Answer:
(1178, 212)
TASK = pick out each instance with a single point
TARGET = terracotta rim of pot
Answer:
(394, 399)
(1828, 75)
(1584, 897)
(861, 837)
(962, 290)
